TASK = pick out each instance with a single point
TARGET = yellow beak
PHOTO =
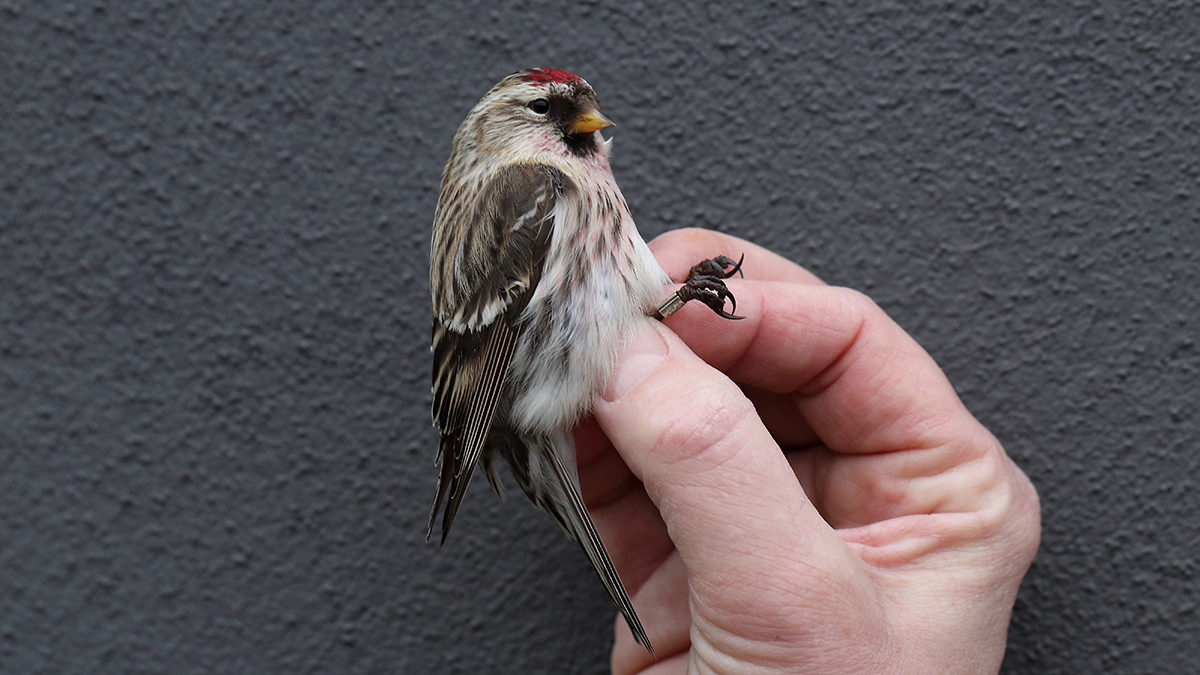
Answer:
(590, 120)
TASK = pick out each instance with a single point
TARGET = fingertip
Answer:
(641, 356)
(678, 250)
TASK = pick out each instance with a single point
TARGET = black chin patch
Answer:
(581, 145)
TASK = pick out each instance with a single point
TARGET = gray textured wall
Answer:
(215, 449)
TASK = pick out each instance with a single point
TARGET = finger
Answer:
(603, 476)
(858, 381)
(678, 250)
(637, 541)
(729, 499)
(675, 665)
(798, 331)
(626, 519)
(663, 605)
(768, 310)
(778, 413)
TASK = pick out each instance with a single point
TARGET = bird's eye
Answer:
(540, 106)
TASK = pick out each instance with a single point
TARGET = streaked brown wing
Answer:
(474, 341)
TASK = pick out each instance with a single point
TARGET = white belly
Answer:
(579, 317)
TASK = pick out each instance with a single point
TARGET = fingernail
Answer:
(640, 357)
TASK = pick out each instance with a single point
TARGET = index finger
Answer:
(845, 371)
(678, 250)
(862, 383)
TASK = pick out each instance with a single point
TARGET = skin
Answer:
(889, 535)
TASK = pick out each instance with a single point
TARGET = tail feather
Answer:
(573, 514)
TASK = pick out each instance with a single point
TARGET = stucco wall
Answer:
(215, 448)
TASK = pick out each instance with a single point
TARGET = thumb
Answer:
(731, 502)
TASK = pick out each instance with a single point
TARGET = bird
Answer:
(537, 275)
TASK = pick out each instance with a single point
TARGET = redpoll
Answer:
(537, 274)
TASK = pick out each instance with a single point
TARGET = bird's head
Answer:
(535, 112)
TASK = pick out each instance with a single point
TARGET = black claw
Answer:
(725, 261)
(706, 283)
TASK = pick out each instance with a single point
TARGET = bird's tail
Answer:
(565, 503)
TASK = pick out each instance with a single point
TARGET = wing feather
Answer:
(476, 335)
(480, 410)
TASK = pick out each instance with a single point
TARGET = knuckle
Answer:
(1000, 496)
(857, 303)
(1013, 512)
(704, 431)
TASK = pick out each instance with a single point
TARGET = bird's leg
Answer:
(706, 283)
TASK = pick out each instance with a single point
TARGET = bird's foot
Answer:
(706, 283)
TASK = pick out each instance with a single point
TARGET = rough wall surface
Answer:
(215, 448)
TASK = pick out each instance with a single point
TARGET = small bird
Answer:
(536, 276)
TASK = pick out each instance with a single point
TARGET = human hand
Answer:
(889, 536)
